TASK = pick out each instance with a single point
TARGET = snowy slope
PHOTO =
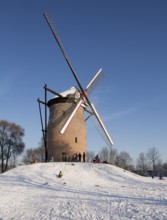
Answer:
(86, 191)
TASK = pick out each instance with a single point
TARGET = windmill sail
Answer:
(102, 125)
(51, 26)
(94, 79)
(70, 117)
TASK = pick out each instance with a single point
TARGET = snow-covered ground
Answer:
(86, 191)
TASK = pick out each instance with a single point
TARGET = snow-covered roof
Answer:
(73, 92)
(70, 91)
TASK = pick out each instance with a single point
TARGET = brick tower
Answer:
(62, 147)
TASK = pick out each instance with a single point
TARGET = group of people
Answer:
(78, 157)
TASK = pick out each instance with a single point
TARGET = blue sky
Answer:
(125, 38)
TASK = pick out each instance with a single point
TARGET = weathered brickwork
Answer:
(74, 138)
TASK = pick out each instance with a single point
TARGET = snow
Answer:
(70, 91)
(86, 191)
(66, 93)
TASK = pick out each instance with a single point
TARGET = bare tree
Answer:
(124, 160)
(90, 156)
(11, 142)
(164, 167)
(33, 154)
(104, 154)
(153, 157)
(13, 160)
(112, 155)
(142, 164)
(28, 157)
(108, 154)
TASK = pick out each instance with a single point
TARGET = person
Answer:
(97, 159)
(80, 157)
(160, 177)
(83, 156)
(75, 157)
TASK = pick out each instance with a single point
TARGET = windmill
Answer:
(65, 132)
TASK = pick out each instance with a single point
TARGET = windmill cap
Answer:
(65, 95)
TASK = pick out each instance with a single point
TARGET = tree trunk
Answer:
(7, 158)
(2, 160)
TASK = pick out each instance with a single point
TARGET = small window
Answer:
(76, 140)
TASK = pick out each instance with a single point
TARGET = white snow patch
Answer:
(85, 192)
(70, 91)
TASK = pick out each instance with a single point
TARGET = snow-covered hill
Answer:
(86, 191)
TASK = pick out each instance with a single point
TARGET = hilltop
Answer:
(86, 191)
